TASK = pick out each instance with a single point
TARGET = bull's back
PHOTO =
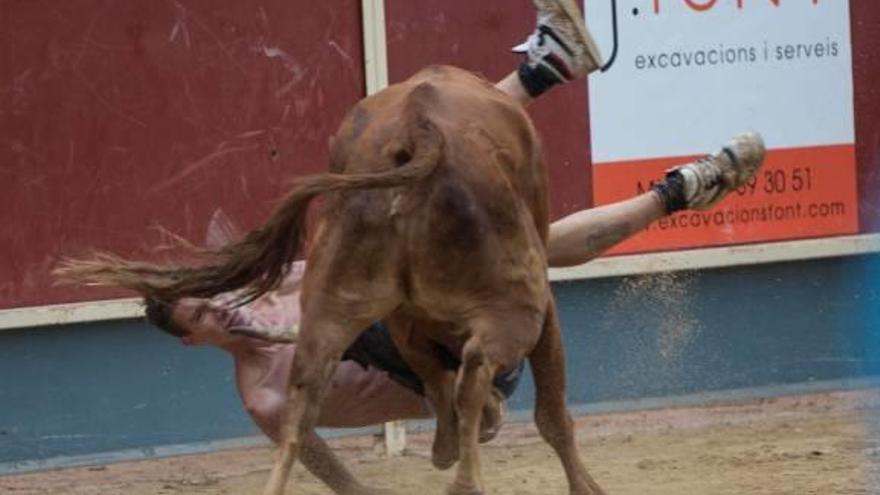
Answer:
(476, 119)
(474, 229)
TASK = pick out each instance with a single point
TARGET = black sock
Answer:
(671, 191)
(536, 80)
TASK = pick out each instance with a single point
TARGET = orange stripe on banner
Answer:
(798, 193)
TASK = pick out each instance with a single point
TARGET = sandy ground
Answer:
(822, 444)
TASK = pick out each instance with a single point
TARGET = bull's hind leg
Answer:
(551, 414)
(313, 365)
(327, 331)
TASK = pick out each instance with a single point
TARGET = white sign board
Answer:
(689, 74)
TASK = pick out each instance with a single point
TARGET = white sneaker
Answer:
(561, 43)
(710, 179)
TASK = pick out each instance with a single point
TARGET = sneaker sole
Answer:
(573, 12)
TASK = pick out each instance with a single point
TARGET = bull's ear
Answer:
(221, 231)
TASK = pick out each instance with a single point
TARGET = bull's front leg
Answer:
(472, 390)
(438, 379)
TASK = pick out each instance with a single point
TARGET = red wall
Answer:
(119, 115)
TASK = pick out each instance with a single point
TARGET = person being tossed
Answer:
(373, 384)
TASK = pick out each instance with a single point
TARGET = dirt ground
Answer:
(821, 444)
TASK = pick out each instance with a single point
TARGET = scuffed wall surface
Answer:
(116, 117)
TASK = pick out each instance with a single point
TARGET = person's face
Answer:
(207, 322)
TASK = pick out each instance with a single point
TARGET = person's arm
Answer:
(266, 409)
(275, 316)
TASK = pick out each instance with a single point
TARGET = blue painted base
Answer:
(88, 389)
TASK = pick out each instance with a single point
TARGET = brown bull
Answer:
(438, 222)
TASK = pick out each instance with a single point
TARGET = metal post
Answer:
(376, 77)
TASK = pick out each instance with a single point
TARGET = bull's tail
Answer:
(259, 262)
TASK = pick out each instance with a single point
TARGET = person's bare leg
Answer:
(514, 88)
(584, 235)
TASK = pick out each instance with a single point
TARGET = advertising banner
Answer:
(689, 74)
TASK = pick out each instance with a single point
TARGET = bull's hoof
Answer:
(489, 432)
(587, 487)
(365, 490)
(444, 452)
(456, 489)
(444, 461)
(493, 417)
